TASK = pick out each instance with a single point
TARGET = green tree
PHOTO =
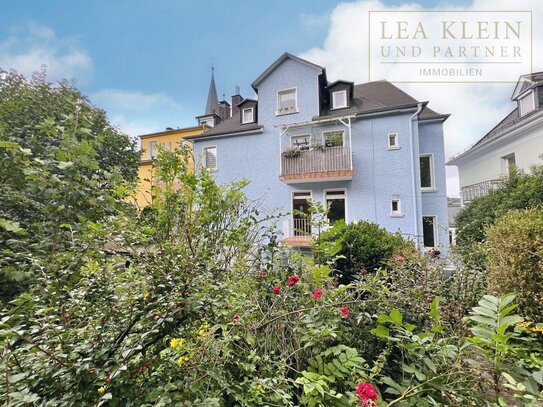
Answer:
(61, 164)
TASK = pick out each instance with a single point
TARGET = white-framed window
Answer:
(527, 103)
(336, 202)
(429, 231)
(509, 163)
(339, 99)
(301, 141)
(287, 101)
(427, 182)
(301, 213)
(153, 149)
(247, 115)
(396, 207)
(334, 138)
(393, 143)
(210, 157)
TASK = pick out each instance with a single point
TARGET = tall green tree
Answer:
(61, 164)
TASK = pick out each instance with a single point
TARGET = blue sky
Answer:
(148, 62)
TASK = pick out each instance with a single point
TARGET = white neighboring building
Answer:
(517, 141)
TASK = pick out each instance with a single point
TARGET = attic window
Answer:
(286, 101)
(527, 103)
(339, 99)
(247, 115)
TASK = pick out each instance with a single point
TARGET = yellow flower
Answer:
(177, 343)
(538, 329)
(146, 295)
(203, 330)
(182, 360)
(102, 390)
(524, 324)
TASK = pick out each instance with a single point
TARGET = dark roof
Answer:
(278, 62)
(380, 96)
(454, 210)
(226, 127)
(247, 100)
(498, 130)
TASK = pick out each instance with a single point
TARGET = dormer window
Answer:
(247, 115)
(339, 99)
(286, 101)
(527, 103)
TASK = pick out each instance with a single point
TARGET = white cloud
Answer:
(132, 100)
(28, 49)
(475, 108)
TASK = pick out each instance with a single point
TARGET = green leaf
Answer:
(396, 316)
(381, 331)
(485, 311)
(11, 226)
(434, 308)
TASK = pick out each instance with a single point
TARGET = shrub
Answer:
(358, 247)
(519, 191)
(514, 251)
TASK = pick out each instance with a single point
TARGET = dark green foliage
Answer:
(519, 191)
(361, 247)
(61, 164)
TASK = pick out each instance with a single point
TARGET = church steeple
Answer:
(212, 106)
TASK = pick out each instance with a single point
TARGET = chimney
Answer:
(236, 99)
(224, 109)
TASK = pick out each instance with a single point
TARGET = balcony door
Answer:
(335, 202)
(301, 214)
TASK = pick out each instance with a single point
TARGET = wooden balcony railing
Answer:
(317, 164)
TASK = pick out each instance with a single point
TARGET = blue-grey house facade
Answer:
(369, 151)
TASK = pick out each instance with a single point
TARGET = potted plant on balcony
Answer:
(334, 139)
(291, 152)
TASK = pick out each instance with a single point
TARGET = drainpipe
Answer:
(414, 189)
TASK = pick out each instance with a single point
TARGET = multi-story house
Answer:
(517, 140)
(169, 139)
(368, 151)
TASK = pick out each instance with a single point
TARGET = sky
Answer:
(148, 62)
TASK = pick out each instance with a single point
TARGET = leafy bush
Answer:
(514, 248)
(519, 191)
(358, 248)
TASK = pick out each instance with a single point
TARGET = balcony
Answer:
(470, 192)
(324, 164)
(297, 232)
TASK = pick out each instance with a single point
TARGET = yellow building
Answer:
(169, 139)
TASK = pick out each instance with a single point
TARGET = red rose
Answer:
(317, 293)
(235, 318)
(344, 310)
(276, 289)
(399, 259)
(292, 280)
(365, 392)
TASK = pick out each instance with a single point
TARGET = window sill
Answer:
(286, 113)
(428, 190)
(397, 215)
(393, 148)
(339, 107)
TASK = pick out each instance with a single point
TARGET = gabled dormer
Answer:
(248, 111)
(340, 94)
(528, 93)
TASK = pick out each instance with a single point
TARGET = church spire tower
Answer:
(212, 106)
(215, 111)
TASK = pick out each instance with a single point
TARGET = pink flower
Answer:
(365, 392)
(235, 318)
(292, 280)
(345, 311)
(317, 293)
(399, 259)
(276, 289)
